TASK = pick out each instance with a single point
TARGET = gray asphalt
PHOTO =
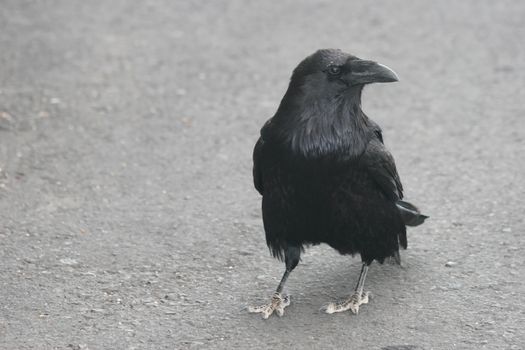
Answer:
(128, 219)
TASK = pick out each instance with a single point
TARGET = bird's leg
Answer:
(355, 300)
(280, 301)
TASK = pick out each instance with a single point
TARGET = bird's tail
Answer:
(410, 213)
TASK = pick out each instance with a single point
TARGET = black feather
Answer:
(410, 214)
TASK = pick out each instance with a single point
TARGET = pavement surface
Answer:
(128, 219)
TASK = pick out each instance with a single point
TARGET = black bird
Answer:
(326, 176)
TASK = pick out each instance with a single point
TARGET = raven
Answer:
(325, 175)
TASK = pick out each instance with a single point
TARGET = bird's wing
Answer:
(258, 160)
(257, 174)
(381, 166)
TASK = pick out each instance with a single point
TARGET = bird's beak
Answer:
(366, 72)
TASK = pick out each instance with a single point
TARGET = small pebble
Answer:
(68, 261)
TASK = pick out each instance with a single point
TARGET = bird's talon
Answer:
(329, 308)
(277, 304)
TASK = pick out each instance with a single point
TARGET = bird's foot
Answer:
(278, 303)
(352, 303)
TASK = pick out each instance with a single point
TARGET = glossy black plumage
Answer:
(323, 170)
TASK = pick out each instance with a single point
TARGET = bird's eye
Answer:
(334, 70)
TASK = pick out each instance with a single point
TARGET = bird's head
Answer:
(329, 73)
